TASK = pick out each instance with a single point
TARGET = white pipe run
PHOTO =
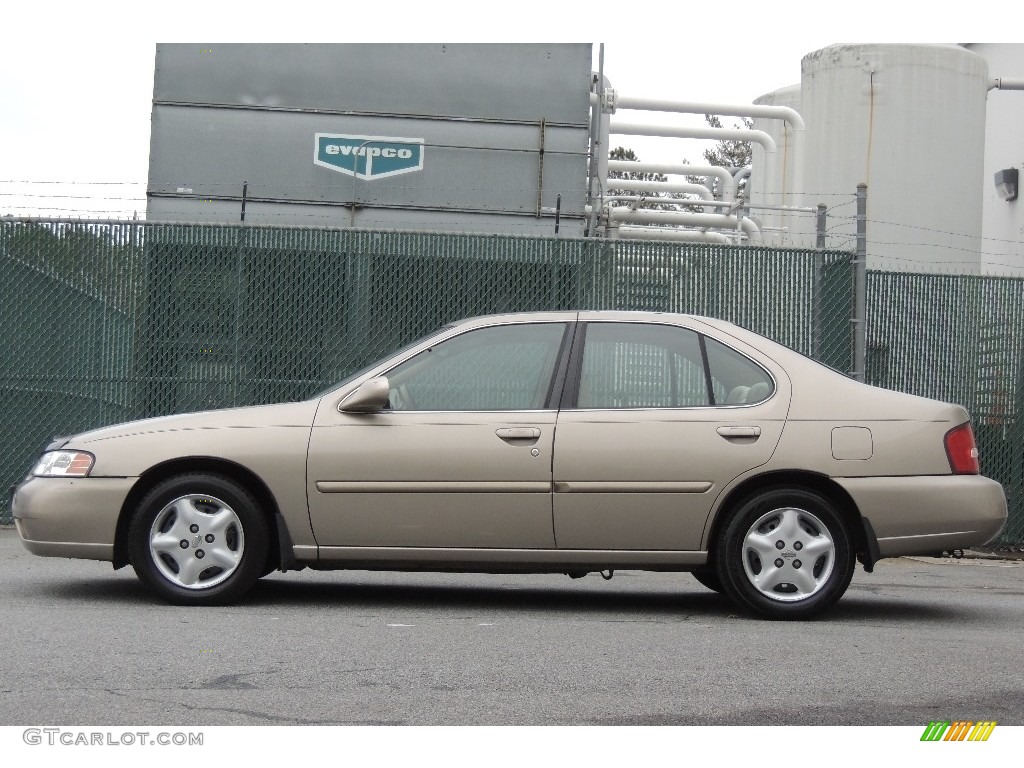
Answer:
(716, 134)
(628, 185)
(675, 235)
(790, 115)
(1006, 83)
(628, 166)
(670, 201)
(717, 220)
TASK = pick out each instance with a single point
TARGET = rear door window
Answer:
(641, 365)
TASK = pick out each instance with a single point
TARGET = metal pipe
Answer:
(670, 201)
(540, 167)
(792, 208)
(630, 185)
(790, 115)
(627, 166)
(679, 132)
(739, 176)
(717, 220)
(596, 149)
(860, 265)
(674, 235)
(1006, 83)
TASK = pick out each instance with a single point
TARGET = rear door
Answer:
(658, 419)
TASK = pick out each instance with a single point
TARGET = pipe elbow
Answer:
(751, 230)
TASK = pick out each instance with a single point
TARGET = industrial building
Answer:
(361, 136)
(479, 138)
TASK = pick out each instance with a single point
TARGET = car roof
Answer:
(592, 315)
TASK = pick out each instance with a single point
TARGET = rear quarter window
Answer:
(735, 378)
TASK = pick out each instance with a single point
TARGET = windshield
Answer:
(376, 363)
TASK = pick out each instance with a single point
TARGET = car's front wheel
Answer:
(198, 539)
(785, 554)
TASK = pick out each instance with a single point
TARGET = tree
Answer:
(651, 199)
(732, 154)
(622, 153)
(94, 258)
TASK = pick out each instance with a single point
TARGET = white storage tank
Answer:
(1002, 221)
(775, 179)
(908, 121)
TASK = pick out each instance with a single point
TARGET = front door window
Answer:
(503, 368)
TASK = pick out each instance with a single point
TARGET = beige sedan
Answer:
(566, 442)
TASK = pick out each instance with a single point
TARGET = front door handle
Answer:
(518, 433)
(731, 432)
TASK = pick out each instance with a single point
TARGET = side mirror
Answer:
(370, 397)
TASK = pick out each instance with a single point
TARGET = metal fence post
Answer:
(860, 285)
(596, 147)
(240, 253)
(816, 284)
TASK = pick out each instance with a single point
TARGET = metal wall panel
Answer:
(508, 81)
(504, 130)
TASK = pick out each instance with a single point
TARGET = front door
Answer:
(461, 458)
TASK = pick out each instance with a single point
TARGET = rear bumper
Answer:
(924, 515)
(70, 517)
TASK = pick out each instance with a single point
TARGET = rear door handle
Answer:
(730, 432)
(518, 433)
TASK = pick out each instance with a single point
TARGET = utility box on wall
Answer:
(458, 137)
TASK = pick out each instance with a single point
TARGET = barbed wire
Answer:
(531, 228)
(121, 205)
(368, 206)
(237, 184)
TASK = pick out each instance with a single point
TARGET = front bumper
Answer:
(70, 517)
(926, 515)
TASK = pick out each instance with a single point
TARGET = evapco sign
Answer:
(368, 157)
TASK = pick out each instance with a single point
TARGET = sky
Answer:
(76, 79)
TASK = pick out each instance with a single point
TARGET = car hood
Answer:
(282, 415)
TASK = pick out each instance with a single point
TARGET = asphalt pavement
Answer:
(918, 640)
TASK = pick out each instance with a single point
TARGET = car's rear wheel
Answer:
(785, 554)
(199, 539)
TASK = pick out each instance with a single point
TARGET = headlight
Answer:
(64, 464)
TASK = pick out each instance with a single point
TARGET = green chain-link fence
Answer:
(958, 338)
(116, 321)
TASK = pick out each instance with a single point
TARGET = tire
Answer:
(778, 581)
(199, 539)
(709, 578)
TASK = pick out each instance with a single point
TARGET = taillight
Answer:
(962, 450)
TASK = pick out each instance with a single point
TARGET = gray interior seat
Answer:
(758, 392)
(738, 395)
